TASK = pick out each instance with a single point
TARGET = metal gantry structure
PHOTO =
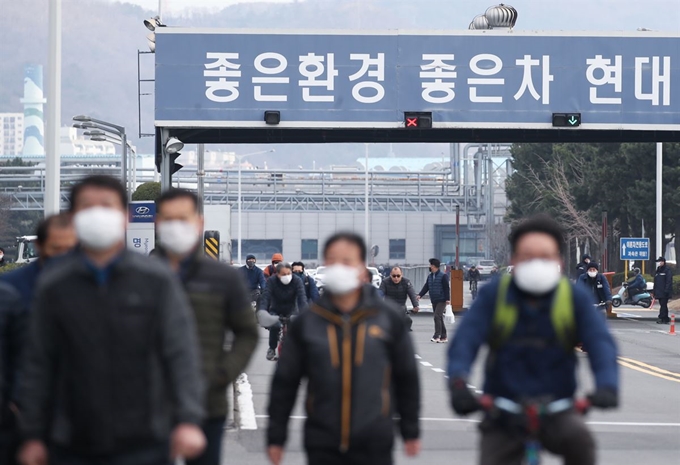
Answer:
(297, 190)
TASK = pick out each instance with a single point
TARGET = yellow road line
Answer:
(648, 372)
(650, 367)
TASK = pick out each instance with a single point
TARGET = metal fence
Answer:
(417, 275)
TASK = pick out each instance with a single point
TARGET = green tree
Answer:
(147, 191)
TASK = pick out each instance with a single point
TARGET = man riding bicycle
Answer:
(254, 277)
(283, 296)
(531, 320)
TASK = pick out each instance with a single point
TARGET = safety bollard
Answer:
(672, 330)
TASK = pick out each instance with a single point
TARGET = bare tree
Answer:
(5, 225)
(556, 183)
(500, 246)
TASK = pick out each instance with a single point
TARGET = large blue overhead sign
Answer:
(213, 78)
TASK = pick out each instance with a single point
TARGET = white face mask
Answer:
(592, 274)
(178, 237)
(341, 279)
(537, 277)
(286, 279)
(99, 228)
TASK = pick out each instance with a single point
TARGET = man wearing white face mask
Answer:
(531, 321)
(596, 284)
(111, 373)
(221, 304)
(356, 352)
(284, 295)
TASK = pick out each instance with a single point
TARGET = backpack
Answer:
(561, 314)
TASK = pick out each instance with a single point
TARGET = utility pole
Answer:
(53, 130)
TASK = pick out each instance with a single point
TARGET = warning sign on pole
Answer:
(211, 244)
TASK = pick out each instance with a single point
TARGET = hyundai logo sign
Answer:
(142, 212)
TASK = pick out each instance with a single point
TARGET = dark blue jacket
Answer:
(437, 285)
(12, 340)
(663, 282)
(532, 363)
(24, 280)
(598, 287)
(638, 284)
(311, 291)
(254, 278)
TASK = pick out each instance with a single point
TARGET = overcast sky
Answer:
(608, 15)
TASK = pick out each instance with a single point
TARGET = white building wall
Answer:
(417, 228)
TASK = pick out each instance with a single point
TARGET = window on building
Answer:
(262, 249)
(397, 249)
(310, 249)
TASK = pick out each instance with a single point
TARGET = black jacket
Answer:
(663, 282)
(358, 365)
(282, 299)
(12, 337)
(581, 269)
(398, 293)
(112, 363)
(474, 275)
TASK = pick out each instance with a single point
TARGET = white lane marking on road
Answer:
(244, 401)
(426, 364)
(418, 357)
(438, 370)
(465, 420)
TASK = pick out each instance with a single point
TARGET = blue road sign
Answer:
(634, 248)
(465, 79)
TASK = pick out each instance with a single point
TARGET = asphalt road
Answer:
(646, 429)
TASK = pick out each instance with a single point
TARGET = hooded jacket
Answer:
(358, 365)
(254, 277)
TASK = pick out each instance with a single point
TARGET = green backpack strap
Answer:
(504, 317)
(561, 315)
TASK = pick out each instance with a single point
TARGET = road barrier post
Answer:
(672, 330)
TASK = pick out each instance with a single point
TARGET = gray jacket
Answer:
(112, 362)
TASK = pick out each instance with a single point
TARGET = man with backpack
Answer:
(531, 320)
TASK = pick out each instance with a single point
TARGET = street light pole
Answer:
(366, 228)
(240, 158)
(659, 199)
(53, 141)
(240, 220)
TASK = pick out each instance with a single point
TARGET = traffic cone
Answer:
(672, 330)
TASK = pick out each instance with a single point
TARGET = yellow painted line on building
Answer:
(649, 369)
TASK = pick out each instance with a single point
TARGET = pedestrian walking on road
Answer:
(55, 236)
(582, 267)
(355, 352)
(221, 304)
(12, 339)
(283, 296)
(531, 320)
(397, 289)
(112, 371)
(663, 289)
(437, 285)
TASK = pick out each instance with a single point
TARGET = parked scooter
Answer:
(644, 299)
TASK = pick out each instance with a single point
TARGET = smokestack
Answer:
(34, 127)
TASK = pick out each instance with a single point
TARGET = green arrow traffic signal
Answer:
(573, 120)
